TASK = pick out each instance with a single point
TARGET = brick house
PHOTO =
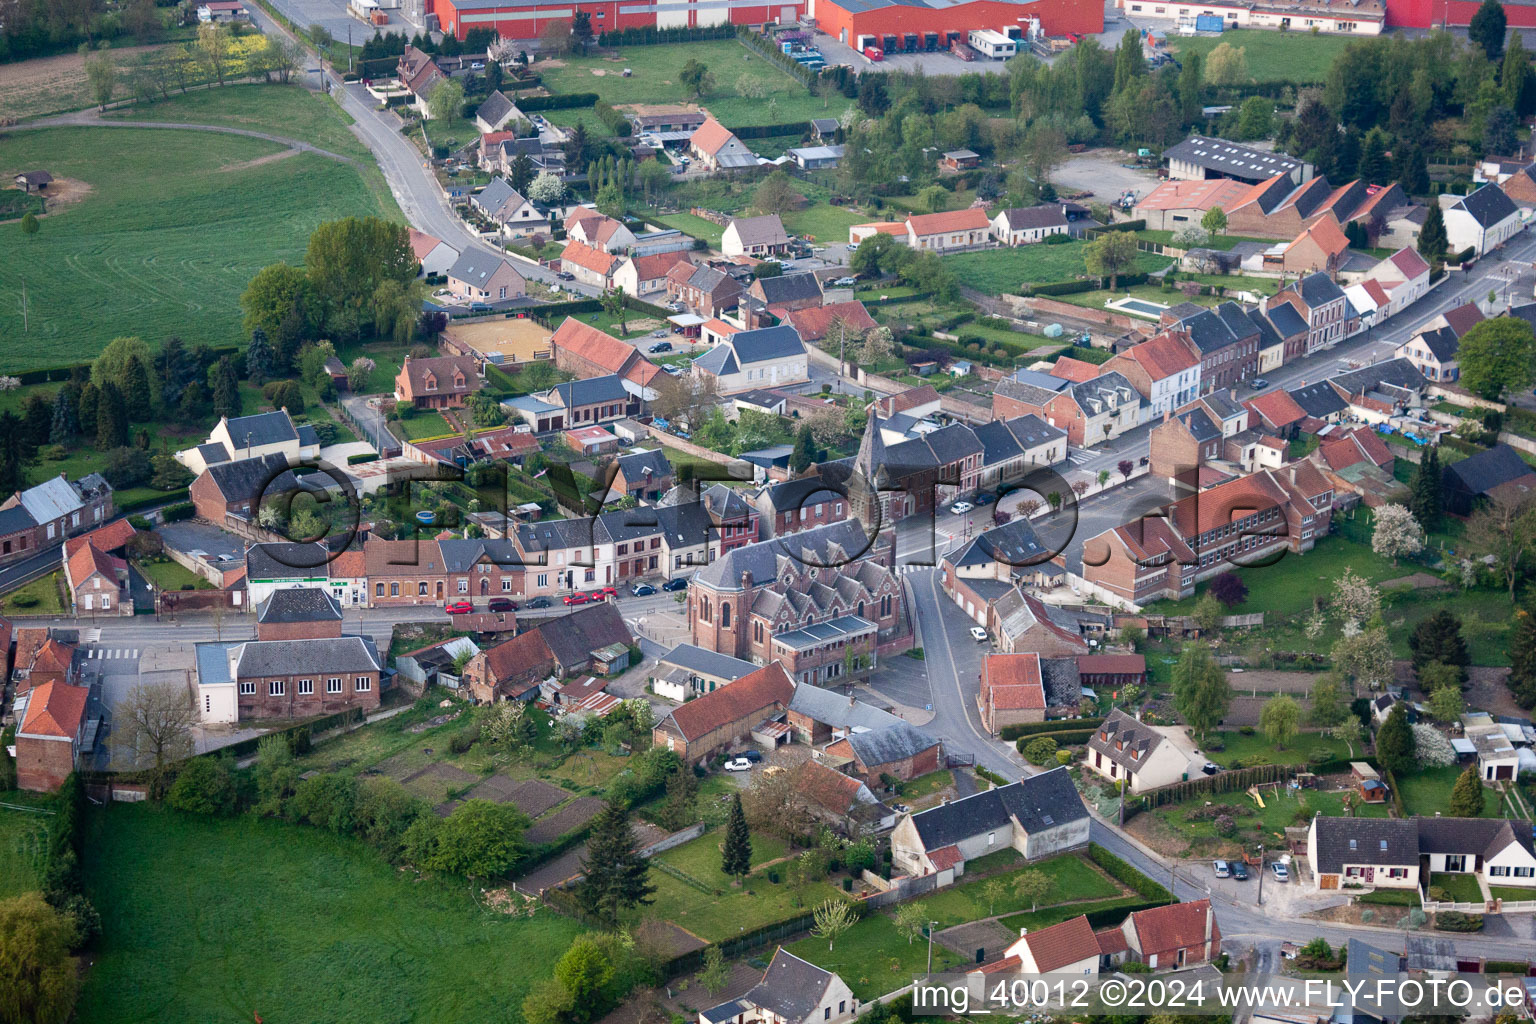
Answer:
(705, 290)
(58, 508)
(1276, 413)
(287, 678)
(901, 751)
(437, 382)
(1324, 306)
(712, 723)
(1012, 690)
(646, 475)
(1184, 442)
(1165, 369)
(585, 351)
(404, 572)
(97, 582)
(509, 670)
(1091, 412)
(801, 504)
(1321, 247)
(481, 277)
(1177, 935)
(479, 569)
(228, 494)
(298, 613)
(1228, 344)
(43, 657)
(50, 736)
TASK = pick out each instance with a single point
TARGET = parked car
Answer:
(642, 590)
(978, 634)
(678, 584)
(1210, 768)
(459, 608)
(1280, 871)
(1239, 871)
(985, 499)
(605, 593)
(661, 346)
(571, 599)
(1222, 869)
(843, 282)
(739, 764)
(1258, 382)
(480, 307)
(501, 604)
(755, 756)
(565, 276)
(539, 602)
(960, 508)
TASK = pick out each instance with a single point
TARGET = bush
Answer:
(1226, 826)
(1040, 750)
(1122, 872)
(203, 787)
(1456, 921)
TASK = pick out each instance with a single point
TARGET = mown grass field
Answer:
(873, 957)
(23, 845)
(1427, 792)
(154, 252)
(999, 271)
(654, 80)
(1299, 57)
(1072, 878)
(219, 919)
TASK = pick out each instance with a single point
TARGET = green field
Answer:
(219, 919)
(152, 253)
(654, 80)
(23, 845)
(873, 957)
(46, 591)
(698, 227)
(824, 222)
(423, 424)
(999, 271)
(170, 575)
(1299, 57)
(1072, 876)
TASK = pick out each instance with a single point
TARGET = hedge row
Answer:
(176, 513)
(59, 374)
(1108, 917)
(1088, 284)
(313, 727)
(1122, 872)
(151, 500)
(768, 131)
(650, 35)
(804, 75)
(1013, 732)
(563, 102)
(1063, 738)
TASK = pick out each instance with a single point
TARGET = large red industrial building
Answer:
(1453, 13)
(526, 19)
(848, 20)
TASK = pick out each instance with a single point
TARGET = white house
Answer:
(513, 215)
(954, 231)
(793, 991)
(769, 357)
(646, 275)
(1029, 224)
(435, 255)
(1038, 817)
(1124, 748)
(1404, 276)
(758, 237)
(1482, 220)
(592, 228)
(1165, 369)
(1068, 947)
(1392, 853)
(251, 437)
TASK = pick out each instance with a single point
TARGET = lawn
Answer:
(926, 785)
(169, 575)
(1427, 792)
(1047, 916)
(1073, 877)
(1221, 243)
(46, 592)
(653, 79)
(1459, 887)
(1239, 746)
(873, 957)
(1254, 824)
(386, 356)
(158, 260)
(343, 936)
(423, 424)
(23, 844)
(999, 271)
(823, 222)
(698, 227)
(1299, 57)
(715, 910)
(1511, 892)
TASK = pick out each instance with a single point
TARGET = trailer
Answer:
(874, 54)
(964, 52)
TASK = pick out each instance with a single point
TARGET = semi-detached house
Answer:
(1323, 304)
(1165, 369)
(1398, 853)
(954, 231)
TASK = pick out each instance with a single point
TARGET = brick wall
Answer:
(292, 704)
(43, 765)
(298, 630)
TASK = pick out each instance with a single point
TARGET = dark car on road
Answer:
(501, 604)
(677, 584)
(642, 590)
(539, 602)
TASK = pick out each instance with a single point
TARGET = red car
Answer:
(605, 593)
(459, 608)
(578, 599)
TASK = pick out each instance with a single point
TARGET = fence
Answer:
(903, 887)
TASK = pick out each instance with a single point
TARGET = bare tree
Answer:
(1503, 529)
(152, 729)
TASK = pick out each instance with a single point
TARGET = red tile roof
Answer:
(1007, 965)
(911, 398)
(1463, 318)
(53, 656)
(710, 137)
(1377, 293)
(1013, 680)
(656, 264)
(108, 538)
(578, 215)
(1327, 235)
(955, 220)
(1194, 195)
(1111, 941)
(348, 565)
(1164, 355)
(55, 709)
(737, 701)
(591, 344)
(1409, 263)
(588, 258)
(826, 787)
(1277, 407)
(422, 243)
(1075, 370)
(518, 655)
(88, 560)
(1112, 664)
(812, 324)
(1175, 926)
(945, 857)
(1062, 944)
(1225, 503)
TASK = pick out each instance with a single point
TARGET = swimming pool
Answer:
(1138, 307)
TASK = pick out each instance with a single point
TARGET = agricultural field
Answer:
(183, 902)
(653, 79)
(1000, 271)
(50, 85)
(172, 259)
(1298, 57)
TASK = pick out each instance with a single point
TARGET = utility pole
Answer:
(1261, 874)
(930, 946)
(25, 327)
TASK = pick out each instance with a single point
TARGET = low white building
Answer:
(1021, 226)
(1126, 749)
(252, 437)
(1481, 221)
(769, 357)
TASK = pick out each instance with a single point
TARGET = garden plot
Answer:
(435, 780)
(568, 818)
(531, 796)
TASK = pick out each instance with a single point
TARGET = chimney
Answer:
(1023, 931)
(746, 579)
(1167, 414)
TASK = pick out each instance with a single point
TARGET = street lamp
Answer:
(930, 946)
(1261, 874)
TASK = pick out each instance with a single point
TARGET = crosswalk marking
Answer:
(114, 653)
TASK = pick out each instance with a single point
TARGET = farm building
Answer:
(909, 25)
(526, 19)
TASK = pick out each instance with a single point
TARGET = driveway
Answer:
(1103, 173)
(367, 416)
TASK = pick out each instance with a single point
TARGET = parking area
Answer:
(1103, 173)
(333, 15)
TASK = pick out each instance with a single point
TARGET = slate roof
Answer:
(1318, 290)
(766, 344)
(572, 638)
(821, 545)
(16, 519)
(1043, 216)
(1229, 158)
(794, 494)
(791, 987)
(590, 391)
(1209, 331)
(258, 658)
(788, 288)
(499, 196)
(706, 662)
(299, 604)
(838, 711)
(1441, 342)
(478, 268)
(1127, 737)
(1043, 801)
(1319, 399)
(1487, 205)
(765, 230)
(635, 465)
(283, 559)
(1481, 473)
(1014, 543)
(264, 428)
(250, 479)
(495, 109)
(1287, 320)
(1398, 373)
(1386, 842)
